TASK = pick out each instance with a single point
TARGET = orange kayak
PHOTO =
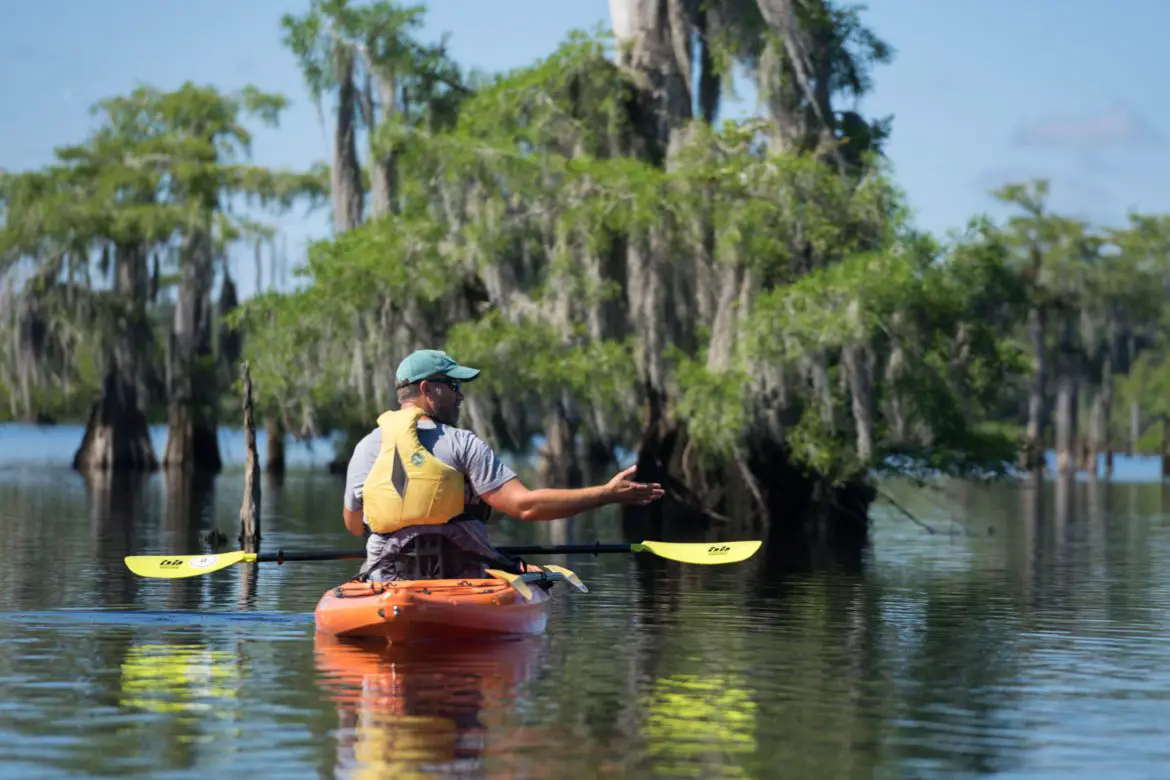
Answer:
(440, 609)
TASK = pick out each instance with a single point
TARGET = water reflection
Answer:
(117, 504)
(1030, 635)
(187, 516)
(408, 711)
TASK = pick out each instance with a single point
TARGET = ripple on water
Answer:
(1038, 649)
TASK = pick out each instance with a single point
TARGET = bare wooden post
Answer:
(250, 509)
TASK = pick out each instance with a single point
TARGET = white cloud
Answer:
(1117, 125)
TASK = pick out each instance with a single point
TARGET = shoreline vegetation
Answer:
(746, 307)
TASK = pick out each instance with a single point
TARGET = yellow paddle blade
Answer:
(173, 566)
(700, 552)
(515, 580)
(572, 578)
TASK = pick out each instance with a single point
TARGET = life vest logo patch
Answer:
(416, 459)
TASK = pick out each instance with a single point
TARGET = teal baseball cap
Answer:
(424, 363)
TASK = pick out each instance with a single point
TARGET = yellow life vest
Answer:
(407, 484)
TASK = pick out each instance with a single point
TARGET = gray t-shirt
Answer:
(459, 448)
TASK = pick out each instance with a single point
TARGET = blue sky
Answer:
(982, 91)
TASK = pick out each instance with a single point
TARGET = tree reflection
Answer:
(117, 504)
(190, 504)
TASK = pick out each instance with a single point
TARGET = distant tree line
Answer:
(746, 306)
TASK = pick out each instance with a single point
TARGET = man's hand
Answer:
(622, 490)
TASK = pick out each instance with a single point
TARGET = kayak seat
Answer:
(432, 556)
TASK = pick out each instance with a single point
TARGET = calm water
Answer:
(1025, 638)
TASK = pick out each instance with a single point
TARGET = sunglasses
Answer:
(454, 384)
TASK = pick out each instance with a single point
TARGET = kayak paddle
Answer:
(174, 566)
(683, 552)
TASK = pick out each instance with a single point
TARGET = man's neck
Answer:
(412, 405)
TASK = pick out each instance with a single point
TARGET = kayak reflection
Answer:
(416, 709)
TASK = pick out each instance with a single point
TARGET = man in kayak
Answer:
(421, 488)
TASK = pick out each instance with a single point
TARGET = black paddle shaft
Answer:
(565, 549)
(280, 556)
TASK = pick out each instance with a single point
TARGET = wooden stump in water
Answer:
(250, 509)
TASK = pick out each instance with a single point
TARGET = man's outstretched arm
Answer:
(515, 500)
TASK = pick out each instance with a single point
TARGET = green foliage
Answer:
(288, 347)
(527, 192)
(951, 317)
(1148, 383)
(542, 229)
(528, 357)
(714, 405)
(149, 200)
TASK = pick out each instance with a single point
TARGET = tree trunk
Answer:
(28, 319)
(857, 363)
(1066, 400)
(822, 388)
(230, 346)
(250, 534)
(345, 174)
(1099, 428)
(258, 256)
(1165, 447)
(1032, 458)
(275, 433)
(347, 191)
(653, 38)
(858, 367)
(117, 437)
(9, 373)
(192, 413)
(384, 170)
(1066, 415)
(1135, 426)
(895, 370)
(721, 345)
(560, 465)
